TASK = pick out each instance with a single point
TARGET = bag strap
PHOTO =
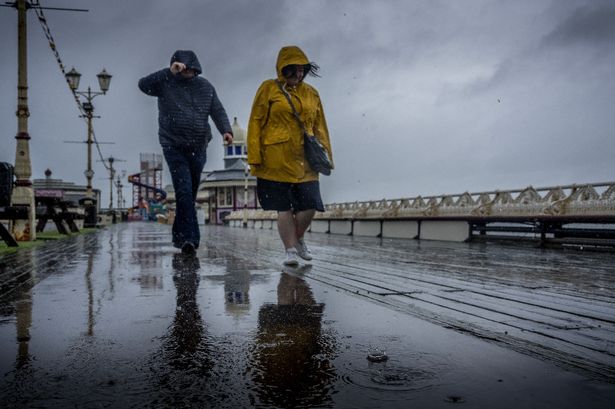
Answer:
(295, 114)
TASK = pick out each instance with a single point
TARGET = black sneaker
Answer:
(188, 249)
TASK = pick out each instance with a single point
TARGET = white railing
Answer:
(576, 200)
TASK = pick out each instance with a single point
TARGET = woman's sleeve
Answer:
(258, 118)
(322, 132)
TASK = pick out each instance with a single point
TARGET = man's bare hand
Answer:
(177, 67)
(228, 138)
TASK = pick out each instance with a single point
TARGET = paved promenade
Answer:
(117, 318)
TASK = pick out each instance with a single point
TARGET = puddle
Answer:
(232, 331)
(390, 378)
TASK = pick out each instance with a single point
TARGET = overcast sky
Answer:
(421, 97)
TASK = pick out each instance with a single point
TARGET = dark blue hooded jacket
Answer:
(185, 105)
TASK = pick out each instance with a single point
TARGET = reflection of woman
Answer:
(291, 361)
(285, 181)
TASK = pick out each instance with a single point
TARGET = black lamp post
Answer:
(104, 80)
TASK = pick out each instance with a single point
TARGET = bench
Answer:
(63, 214)
(59, 211)
(11, 213)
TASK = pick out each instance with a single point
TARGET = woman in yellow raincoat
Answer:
(285, 181)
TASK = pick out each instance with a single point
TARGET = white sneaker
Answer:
(302, 250)
(291, 258)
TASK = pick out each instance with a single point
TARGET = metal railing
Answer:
(574, 201)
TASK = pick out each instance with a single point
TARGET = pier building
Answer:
(231, 189)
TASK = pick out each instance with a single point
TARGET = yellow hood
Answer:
(287, 56)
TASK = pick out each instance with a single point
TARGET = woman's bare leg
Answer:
(302, 222)
(287, 229)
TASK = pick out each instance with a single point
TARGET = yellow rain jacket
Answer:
(275, 140)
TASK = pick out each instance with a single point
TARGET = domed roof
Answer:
(239, 134)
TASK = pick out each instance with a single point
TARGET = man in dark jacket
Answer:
(185, 103)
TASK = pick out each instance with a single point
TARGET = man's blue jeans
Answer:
(186, 165)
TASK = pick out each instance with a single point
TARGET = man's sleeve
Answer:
(218, 114)
(152, 84)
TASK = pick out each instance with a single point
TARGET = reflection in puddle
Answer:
(291, 361)
(237, 286)
(184, 342)
(184, 362)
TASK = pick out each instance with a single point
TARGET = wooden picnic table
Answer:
(56, 209)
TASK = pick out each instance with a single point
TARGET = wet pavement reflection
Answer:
(118, 318)
(182, 366)
(292, 359)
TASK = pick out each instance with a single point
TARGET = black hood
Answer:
(188, 58)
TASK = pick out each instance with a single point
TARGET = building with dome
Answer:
(231, 188)
(59, 189)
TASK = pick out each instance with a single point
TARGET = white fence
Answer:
(593, 202)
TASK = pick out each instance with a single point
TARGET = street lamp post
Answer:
(119, 186)
(246, 170)
(104, 79)
(111, 176)
(23, 194)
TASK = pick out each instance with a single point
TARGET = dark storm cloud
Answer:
(590, 25)
(571, 40)
(427, 96)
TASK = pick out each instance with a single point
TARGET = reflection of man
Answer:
(181, 369)
(291, 357)
(186, 334)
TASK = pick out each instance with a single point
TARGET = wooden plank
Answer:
(551, 304)
(600, 310)
(465, 298)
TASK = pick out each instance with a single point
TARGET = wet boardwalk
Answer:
(117, 319)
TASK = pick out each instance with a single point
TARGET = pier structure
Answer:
(569, 214)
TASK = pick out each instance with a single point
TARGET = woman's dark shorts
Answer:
(284, 196)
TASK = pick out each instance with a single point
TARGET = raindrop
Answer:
(377, 356)
(391, 379)
(454, 399)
